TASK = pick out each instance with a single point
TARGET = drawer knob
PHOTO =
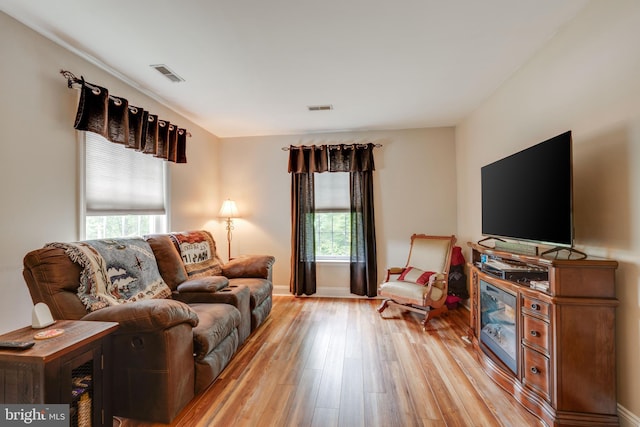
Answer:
(534, 333)
(535, 306)
(534, 370)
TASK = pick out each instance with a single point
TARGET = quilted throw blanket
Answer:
(115, 271)
(198, 252)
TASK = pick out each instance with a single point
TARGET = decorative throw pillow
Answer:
(198, 252)
(415, 275)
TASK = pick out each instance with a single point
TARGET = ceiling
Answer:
(252, 67)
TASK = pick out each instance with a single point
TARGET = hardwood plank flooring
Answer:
(337, 362)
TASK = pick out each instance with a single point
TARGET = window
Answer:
(124, 191)
(333, 235)
(104, 226)
(332, 216)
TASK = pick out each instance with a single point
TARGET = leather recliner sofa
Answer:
(166, 350)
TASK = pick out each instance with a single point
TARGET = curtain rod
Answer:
(72, 79)
(337, 146)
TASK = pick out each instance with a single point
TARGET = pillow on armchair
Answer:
(415, 275)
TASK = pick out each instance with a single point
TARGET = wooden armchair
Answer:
(420, 286)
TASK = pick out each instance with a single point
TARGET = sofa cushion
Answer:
(216, 322)
(198, 252)
(169, 261)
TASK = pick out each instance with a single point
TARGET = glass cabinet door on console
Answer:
(498, 323)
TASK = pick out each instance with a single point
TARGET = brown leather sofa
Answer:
(165, 351)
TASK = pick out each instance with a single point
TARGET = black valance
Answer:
(308, 159)
(332, 158)
(352, 158)
(113, 118)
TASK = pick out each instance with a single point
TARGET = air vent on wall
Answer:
(320, 107)
(165, 71)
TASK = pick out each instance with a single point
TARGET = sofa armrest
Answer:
(258, 266)
(146, 315)
(203, 284)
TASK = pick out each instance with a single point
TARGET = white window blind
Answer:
(120, 180)
(331, 191)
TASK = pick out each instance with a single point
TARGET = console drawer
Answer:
(535, 332)
(535, 306)
(536, 372)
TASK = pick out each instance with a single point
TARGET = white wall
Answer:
(39, 173)
(587, 79)
(414, 192)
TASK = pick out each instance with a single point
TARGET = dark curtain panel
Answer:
(303, 163)
(358, 161)
(364, 265)
(117, 121)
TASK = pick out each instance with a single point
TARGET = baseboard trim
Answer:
(627, 418)
(321, 292)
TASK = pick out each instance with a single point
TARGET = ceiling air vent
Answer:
(320, 107)
(165, 71)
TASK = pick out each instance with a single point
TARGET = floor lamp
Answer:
(229, 210)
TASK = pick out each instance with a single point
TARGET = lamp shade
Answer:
(228, 209)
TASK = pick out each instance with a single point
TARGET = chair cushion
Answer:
(430, 254)
(415, 275)
(411, 291)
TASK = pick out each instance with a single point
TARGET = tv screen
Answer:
(528, 195)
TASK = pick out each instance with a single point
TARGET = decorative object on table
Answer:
(41, 316)
(50, 333)
(229, 210)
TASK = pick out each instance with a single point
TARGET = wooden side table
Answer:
(73, 368)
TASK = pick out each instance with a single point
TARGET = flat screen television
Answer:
(528, 196)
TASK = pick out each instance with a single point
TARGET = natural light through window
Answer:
(100, 227)
(333, 235)
(332, 216)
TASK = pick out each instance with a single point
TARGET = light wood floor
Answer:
(337, 362)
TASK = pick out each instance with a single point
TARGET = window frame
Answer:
(333, 258)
